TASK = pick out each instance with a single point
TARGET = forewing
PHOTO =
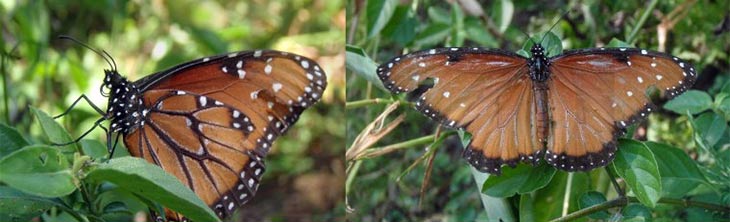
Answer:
(485, 92)
(595, 94)
(211, 122)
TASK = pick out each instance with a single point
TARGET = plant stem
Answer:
(366, 102)
(612, 177)
(623, 201)
(351, 175)
(642, 20)
(377, 151)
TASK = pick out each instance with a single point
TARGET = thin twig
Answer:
(623, 201)
(612, 177)
(366, 102)
(379, 151)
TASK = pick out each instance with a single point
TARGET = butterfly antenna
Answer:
(528, 37)
(109, 60)
(554, 24)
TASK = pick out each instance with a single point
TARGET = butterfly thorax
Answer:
(125, 103)
(538, 64)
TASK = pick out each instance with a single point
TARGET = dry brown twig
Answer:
(372, 133)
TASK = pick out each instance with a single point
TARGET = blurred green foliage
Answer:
(691, 152)
(144, 37)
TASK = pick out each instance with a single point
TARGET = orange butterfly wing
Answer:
(211, 122)
(488, 93)
(595, 94)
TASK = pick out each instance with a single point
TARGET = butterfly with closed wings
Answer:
(210, 122)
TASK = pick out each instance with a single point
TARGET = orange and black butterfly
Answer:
(210, 122)
(568, 109)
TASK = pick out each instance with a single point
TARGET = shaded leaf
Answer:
(358, 62)
(18, 206)
(10, 140)
(39, 170)
(379, 13)
(636, 212)
(636, 165)
(55, 133)
(694, 101)
(522, 179)
(711, 127)
(150, 181)
(593, 198)
(679, 173)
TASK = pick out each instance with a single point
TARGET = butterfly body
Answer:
(124, 103)
(568, 109)
(210, 122)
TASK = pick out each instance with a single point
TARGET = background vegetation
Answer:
(305, 172)
(401, 166)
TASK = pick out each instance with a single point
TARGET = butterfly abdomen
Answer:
(542, 117)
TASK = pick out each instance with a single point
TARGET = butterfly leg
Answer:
(82, 135)
(77, 101)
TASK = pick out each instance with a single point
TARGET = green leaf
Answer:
(402, 26)
(457, 26)
(94, 148)
(726, 87)
(551, 42)
(522, 179)
(438, 15)
(433, 34)
(527, 208)
(150, 181)
(476, 32)
(358, 62)
(18, 206)
(637, 211)
(496, 208)
(711, 127)
(618, 43)
(379, 13)
(505, 10)
(10, 140)
(593, 198)
(636, 164)
(722, 104)
(694, 101)
(55, 133)
(39, 170)
(679, 173)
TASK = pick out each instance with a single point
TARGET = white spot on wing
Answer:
(241, 73)
(267, 69)
(276, 86)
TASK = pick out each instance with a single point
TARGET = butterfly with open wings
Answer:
(568, 109)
